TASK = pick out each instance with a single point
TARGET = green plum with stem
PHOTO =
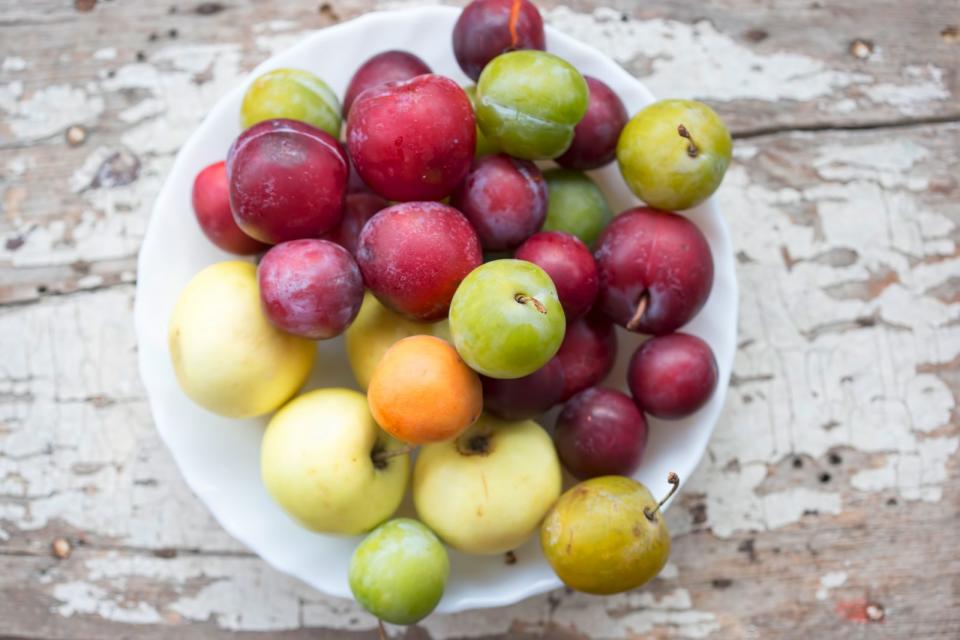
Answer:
(399, 571)
(293, 94)
(529, 102)
(506, 319)
(674, 153)
(575, 205)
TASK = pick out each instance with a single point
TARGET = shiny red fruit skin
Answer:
(600, 432)
(388, 66)
(211, 204)
(357, 209)
(526, 397)
(595, 136)
(413, 256)
(505, 199)
(287, 181)
(587, 354)
(570, 265)
(672, 376)
(412, 140)
(658, 254)
(487, 28)
(310, 288)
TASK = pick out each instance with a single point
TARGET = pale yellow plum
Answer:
(227, 357)
(486, 491)
(328, 464)
(376, 329)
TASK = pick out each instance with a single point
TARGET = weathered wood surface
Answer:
(828, 505)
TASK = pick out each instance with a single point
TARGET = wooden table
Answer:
(828, 505)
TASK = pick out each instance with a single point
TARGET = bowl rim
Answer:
(149, 247)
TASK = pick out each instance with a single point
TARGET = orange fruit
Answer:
(421, 391)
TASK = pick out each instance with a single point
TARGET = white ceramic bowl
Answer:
(219, 458)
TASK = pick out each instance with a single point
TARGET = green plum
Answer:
(485, 146)
(506, 319)
(293, 94)
(673, 153)
(528, 103)
(576, 205)
(399, 571)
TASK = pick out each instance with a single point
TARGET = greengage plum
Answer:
(412, 140)
(389, 66)
(310, 288)
(576, 205)
(505, 200)
(600, 432)
(211, 204)
(287, 181)
(656, 270)
(526, 397)
(672, 376)
(487, 28)
(414, 255)
(357, 209)
(595, 137)
(506, 320)
(587, 354)
(293, 94)
(569, 264)
(673, 154)
(528, 103)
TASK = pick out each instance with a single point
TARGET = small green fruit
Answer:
(293, 94)
(575, 205)
(399, 571)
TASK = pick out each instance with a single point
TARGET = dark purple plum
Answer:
(487, 28)
(505, 199)
(672, 376)
(211, 204)
(310, 288)
(656, 270)
(569, 264)
(600, 432)
(595, 137)
(412, 140)
(413, 256)
(389, 66)
(287, 181)
(357, 209)
(526, 397)
(588, 352)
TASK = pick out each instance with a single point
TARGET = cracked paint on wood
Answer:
(832, 477)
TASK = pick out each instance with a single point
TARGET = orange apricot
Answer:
(421, 391)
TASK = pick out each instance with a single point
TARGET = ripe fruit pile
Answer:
(475, 291)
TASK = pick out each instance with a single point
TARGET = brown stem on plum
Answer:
(641, 309)
(383, 632)
(674, 481)
(381, 455)
(477, 444)
(692, 149)
(523, 298)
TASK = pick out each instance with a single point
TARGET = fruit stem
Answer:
(477, 444)
(523, 298)
(383, 632)
(692, 149)
(638, 314)
(380, 456)
(674, 481)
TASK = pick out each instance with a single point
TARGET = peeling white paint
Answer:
(13, 64)
(50, 110)
(831, 580)
(107, 53)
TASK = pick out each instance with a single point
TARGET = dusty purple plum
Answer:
(287, 181)
(595, 137)
(656, 270)
(311, 288)
(389, 66)
(357, 209)
(600, 432)
(588, 352)
(487, 28)
(505, 199)
(672, 376)
(526, 397)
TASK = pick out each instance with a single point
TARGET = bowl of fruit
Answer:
(394, 335)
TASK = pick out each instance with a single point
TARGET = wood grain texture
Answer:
(829, 502)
